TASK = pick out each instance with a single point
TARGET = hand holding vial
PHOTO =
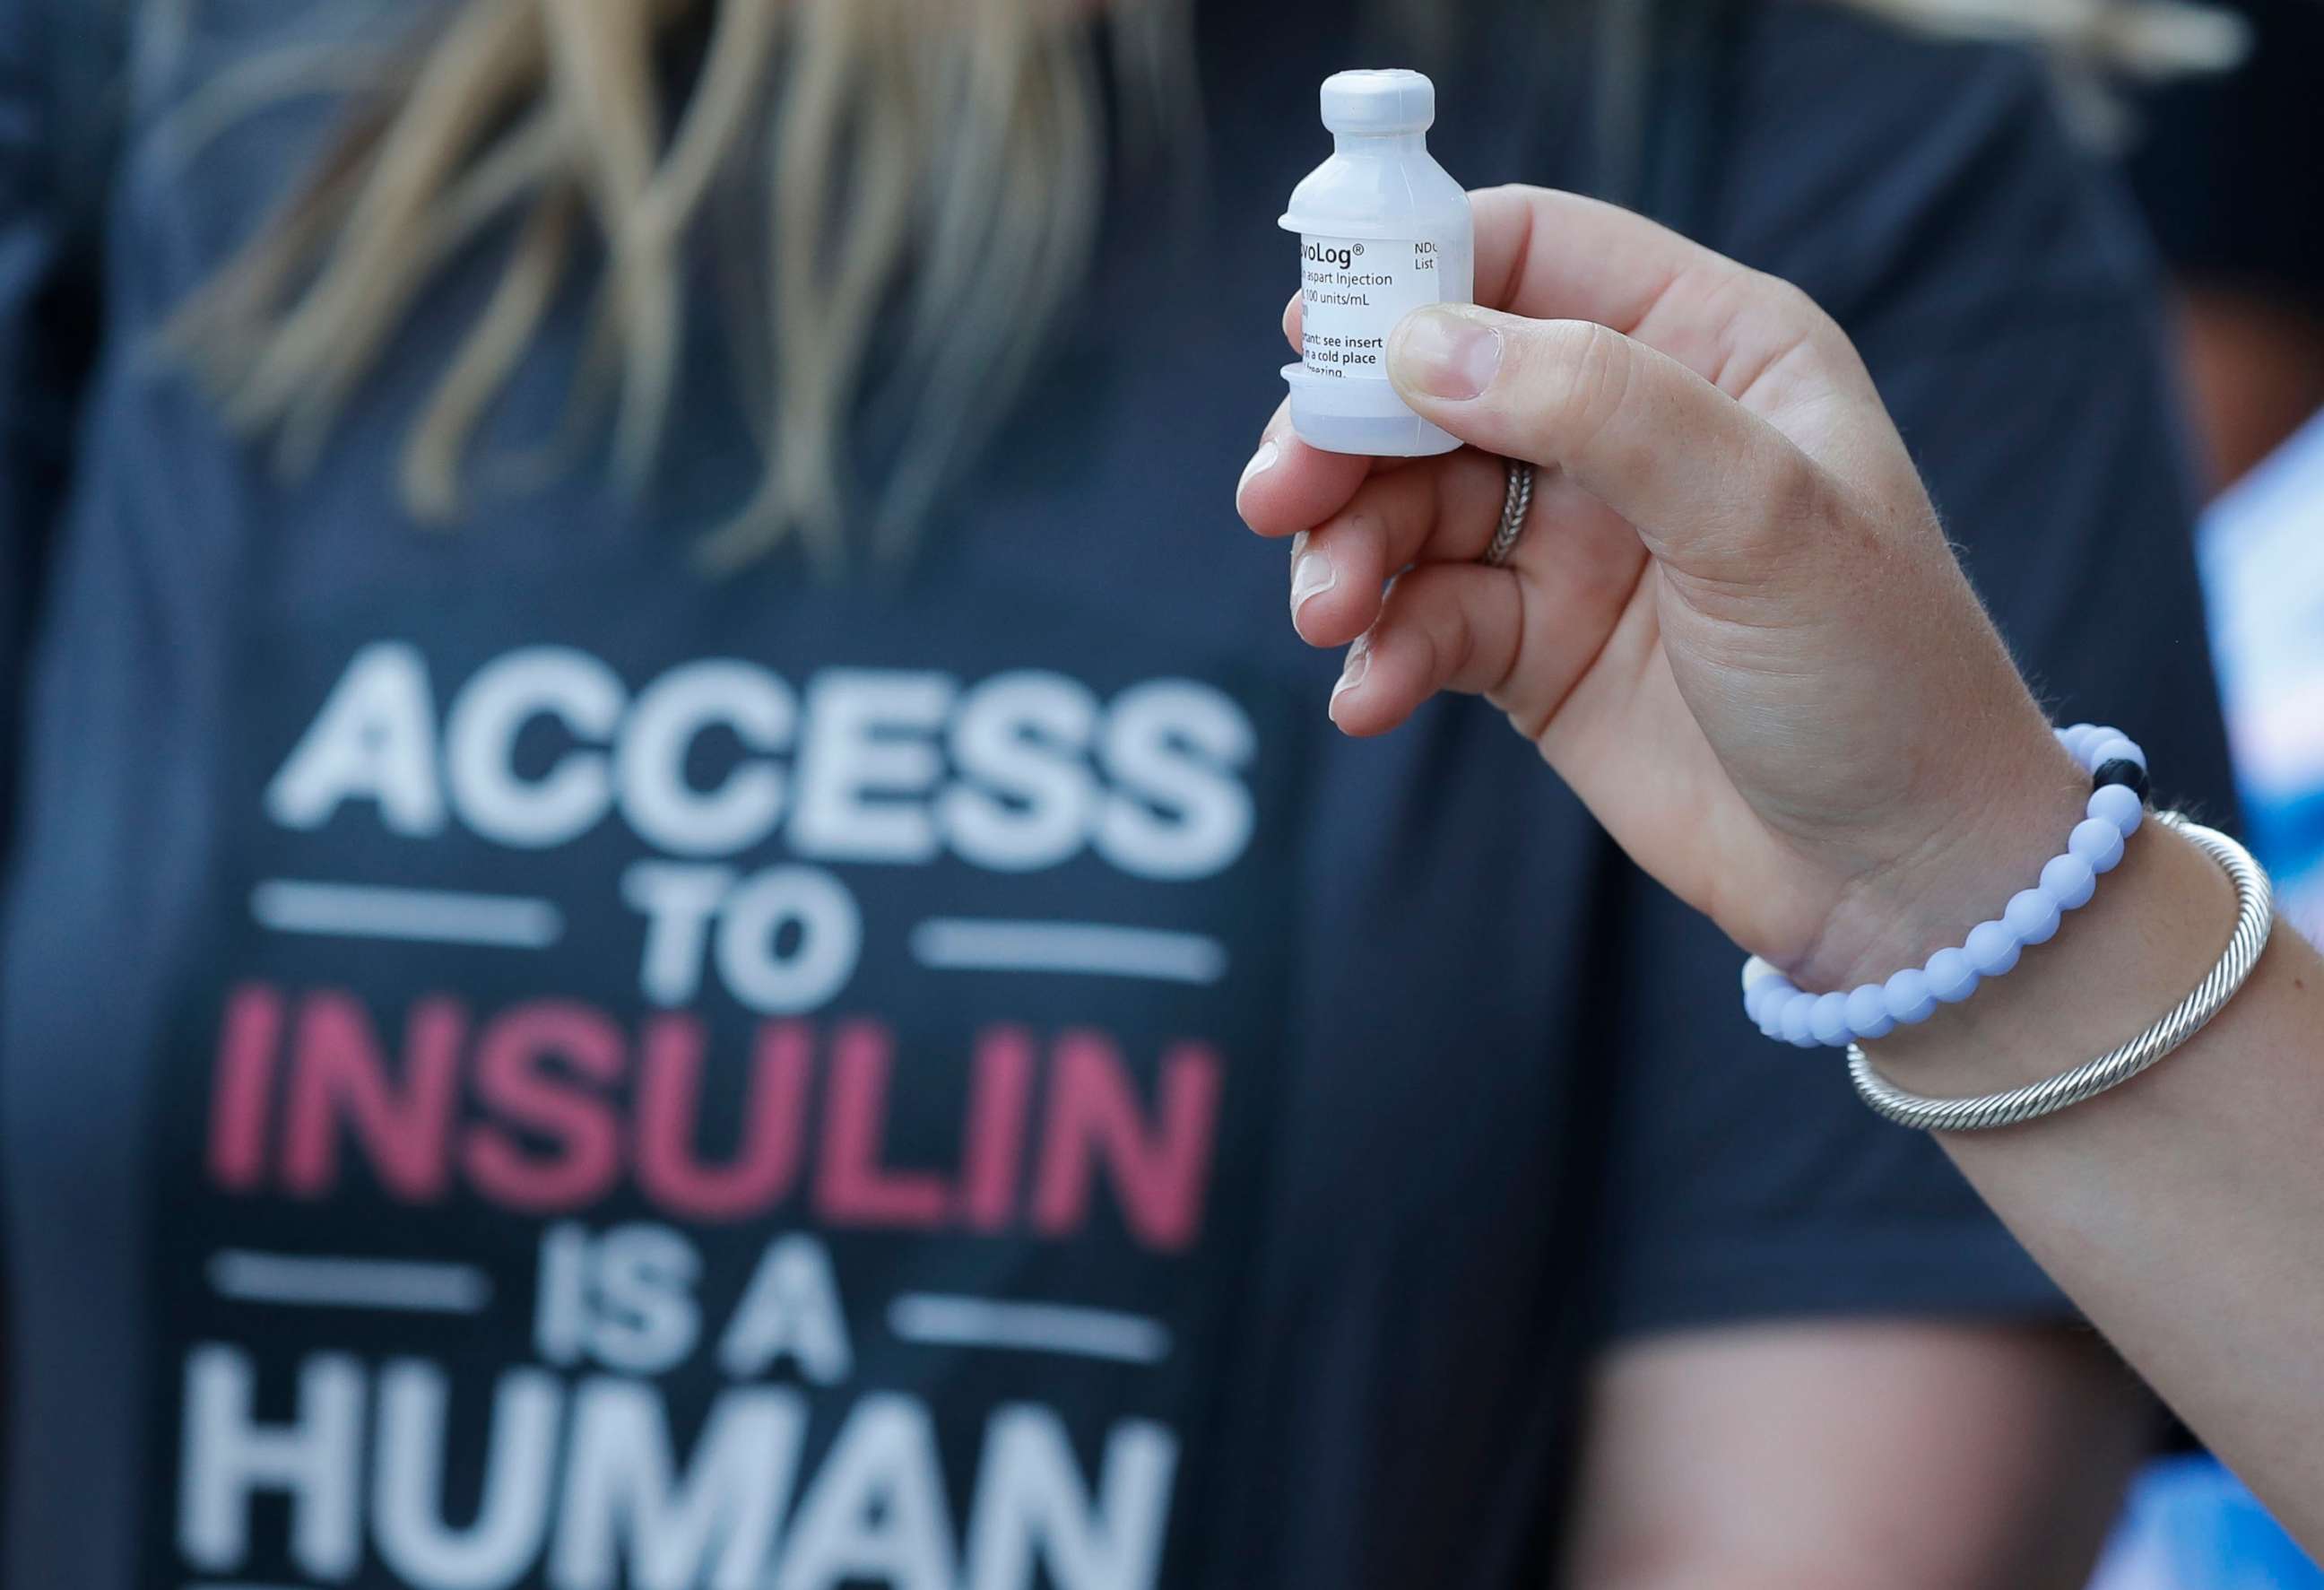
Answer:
(1732, 624)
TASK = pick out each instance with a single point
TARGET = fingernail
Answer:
(1312, 574)
(1358, 664)
(1445, 355)
(1261, 461)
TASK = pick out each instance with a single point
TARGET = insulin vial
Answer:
(1383, 230)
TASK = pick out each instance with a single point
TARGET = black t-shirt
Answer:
(522, 1065)
(2225, 166)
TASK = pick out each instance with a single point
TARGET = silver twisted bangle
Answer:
(2255, 918)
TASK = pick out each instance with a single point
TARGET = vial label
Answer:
(1352, 292)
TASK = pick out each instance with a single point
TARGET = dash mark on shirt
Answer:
(429, 916)
(311, 1281)
(946, 1320)
(1097, 949)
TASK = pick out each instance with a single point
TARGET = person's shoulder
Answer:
(1889, 171)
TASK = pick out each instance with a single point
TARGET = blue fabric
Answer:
(2264, 574)
(2192, 1525)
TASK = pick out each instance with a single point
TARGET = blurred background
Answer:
(2229, 172)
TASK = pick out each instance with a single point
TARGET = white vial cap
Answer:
(1385, 102)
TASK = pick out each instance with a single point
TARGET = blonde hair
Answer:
(2092, 45)
(935, 161)
(932, 166)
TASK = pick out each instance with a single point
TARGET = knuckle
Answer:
(1436, 611)
(1792, 306)
(1801, 502)
(1785, 297)
(1792, 320)
(1586, 372)
(1459, 649)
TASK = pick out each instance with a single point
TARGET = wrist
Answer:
(1956, 873)
(2117, 966)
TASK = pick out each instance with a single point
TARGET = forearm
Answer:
(2184, 1211)
(1913, 1455)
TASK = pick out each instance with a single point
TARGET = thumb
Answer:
(1714, 490)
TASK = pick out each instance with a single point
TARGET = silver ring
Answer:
(2255, 916)
(1515, 508)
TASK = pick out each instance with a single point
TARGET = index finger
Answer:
(1289, 487)
(1549, 255)
(1552, 255)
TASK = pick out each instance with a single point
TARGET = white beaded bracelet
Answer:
(2115, 807)
(2255, 919)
